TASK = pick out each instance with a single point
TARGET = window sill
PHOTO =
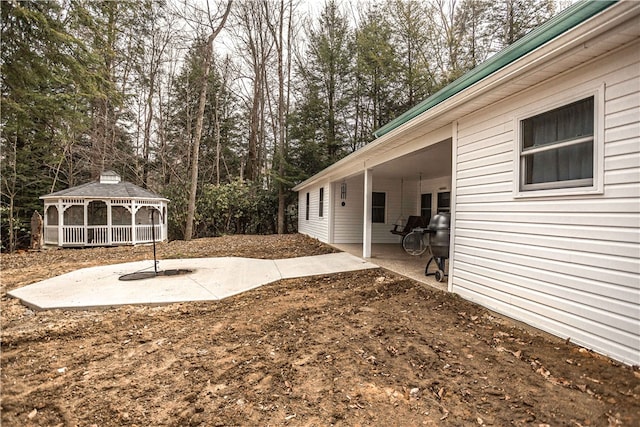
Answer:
(558, 193)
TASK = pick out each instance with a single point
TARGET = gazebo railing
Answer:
(73, 234)
(80, 235)
(98, 235)
(144, 233)
(121, 234)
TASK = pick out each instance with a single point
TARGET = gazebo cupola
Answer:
(107, 212)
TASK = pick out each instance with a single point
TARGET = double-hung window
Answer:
(557, 148)
(378, 207)
(425, 207)
(321, 202)
(306, 216)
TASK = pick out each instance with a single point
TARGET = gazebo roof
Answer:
(109, 186)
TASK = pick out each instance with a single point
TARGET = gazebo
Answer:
(108, 212)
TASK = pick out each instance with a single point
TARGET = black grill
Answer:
(439, 230)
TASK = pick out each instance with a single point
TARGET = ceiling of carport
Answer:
(430, 162)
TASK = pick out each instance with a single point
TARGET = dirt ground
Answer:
(350, 349)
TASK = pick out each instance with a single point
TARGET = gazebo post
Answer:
(109, 217)
(133, 222)
(60, 223)
(165, 221)
(86, 221)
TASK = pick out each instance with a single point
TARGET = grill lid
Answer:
(441, 221)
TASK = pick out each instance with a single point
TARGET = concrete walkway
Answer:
(211, 279)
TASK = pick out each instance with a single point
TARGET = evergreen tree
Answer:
(45, 87)
(221, 105)
(512, 19)
(115, 31)
(376, 73)
(474, 32)
(308, 154)
(326, 75)
(409, 22)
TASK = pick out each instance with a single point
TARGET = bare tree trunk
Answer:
(9, 184)
(251, 172)
(208, 53)
(282, 103)
(281, 124)
(217, 116)
(253, 37)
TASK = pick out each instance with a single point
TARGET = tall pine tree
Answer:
(45, 90)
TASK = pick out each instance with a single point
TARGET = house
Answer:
(108, 212)
(536, 155)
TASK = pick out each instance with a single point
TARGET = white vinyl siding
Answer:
(316, 226)
(349, 219)
(399, 207)
(568, 265)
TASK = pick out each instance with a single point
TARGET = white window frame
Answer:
(321, 202)
(549, 104)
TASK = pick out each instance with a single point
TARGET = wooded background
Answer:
(221, 106)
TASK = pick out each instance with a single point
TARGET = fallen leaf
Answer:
(542, 371)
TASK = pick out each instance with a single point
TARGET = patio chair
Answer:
(412, 222)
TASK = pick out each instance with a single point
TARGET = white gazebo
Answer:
(108, 212)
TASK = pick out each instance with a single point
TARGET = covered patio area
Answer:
(394, 258)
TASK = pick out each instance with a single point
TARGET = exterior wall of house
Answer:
(349, 220)
(316, 226)
(398, 207)
(569, 265)
(433, 187)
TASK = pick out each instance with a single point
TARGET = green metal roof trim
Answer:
(557, 25)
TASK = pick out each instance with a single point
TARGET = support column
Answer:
(165, 221)
(329, 200)
(60, 222)
(133, 222)
(366, 232)
(85, 204)
(109, 222)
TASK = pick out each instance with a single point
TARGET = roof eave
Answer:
(451, 100)
(48, 197)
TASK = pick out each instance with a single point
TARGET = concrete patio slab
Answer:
(211, 279)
